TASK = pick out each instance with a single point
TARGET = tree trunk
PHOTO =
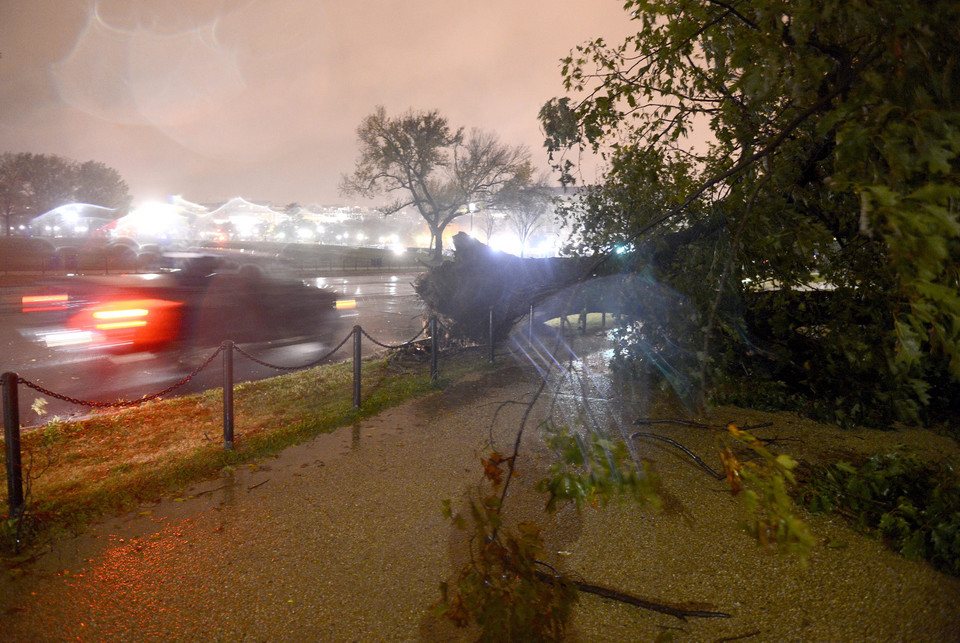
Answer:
(437, 242)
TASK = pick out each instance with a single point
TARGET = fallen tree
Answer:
(479, 279)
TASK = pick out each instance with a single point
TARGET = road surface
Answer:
(385, 306)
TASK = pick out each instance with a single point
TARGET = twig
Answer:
(701, 425)
(605, 592)
(751, 427)
(725, 639)
(259, 484)
(776, 439)
(647, 421)
(703, 465)
(197, 495)
(516, 444)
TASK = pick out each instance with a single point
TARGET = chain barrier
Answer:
(315, 362)
(121, 403)
(394, 346)
(183, 381)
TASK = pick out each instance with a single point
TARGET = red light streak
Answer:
(38, 303)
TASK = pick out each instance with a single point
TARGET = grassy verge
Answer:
(76, 472)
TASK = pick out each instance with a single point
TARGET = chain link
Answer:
(293, 368)
(393, 346)
(121, 403)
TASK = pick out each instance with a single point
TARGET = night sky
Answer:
(261, 98)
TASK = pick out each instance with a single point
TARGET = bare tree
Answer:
(524, 201)
(489, 221)
(420, 162)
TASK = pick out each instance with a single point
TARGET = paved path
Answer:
(338, 539)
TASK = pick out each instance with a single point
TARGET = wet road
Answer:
(385, 307)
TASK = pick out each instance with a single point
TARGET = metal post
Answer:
(11, 435)
(357, 332)
(491, 334)
(530, 331)
(227, 346)
(434, 347)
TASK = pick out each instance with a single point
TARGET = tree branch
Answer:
(612, 594)
(703, 465)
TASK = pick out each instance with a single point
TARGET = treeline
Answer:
(32, 184)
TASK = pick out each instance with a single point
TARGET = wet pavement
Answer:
(338, 539)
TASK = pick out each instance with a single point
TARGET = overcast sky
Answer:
(211, 99)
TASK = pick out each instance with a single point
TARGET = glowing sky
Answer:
(212, 99)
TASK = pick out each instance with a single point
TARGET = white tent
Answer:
(71, 220)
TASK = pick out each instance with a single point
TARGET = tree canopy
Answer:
(755, 149)
(419, 161)
(98, 184)
(31, 184)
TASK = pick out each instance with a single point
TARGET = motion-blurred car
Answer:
(205, 301)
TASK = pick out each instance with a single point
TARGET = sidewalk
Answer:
(342, 539)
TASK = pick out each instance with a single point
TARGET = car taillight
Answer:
(137, 324)
(39, 303)
(122, 318)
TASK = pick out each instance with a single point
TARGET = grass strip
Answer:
(78, 471)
